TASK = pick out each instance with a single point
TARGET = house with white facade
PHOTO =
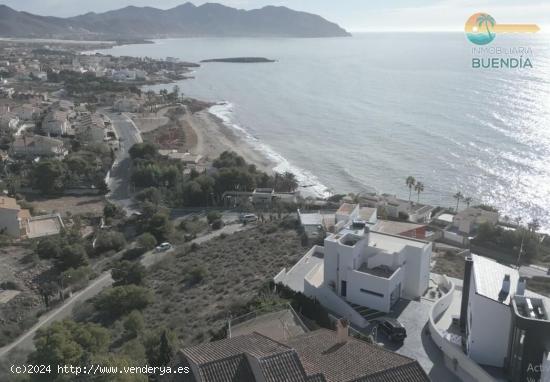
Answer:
(312, 223)
(396, 208)
(359, 267)
(504, 325)
(466, 222)
(37, 146)
(18, 222)
(13, 219)
(263, 196)
(347, 212)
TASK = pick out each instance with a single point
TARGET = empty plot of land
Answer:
(76, 205)
(196, 291)
(150, 121)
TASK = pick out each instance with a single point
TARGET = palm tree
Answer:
(410, 182)
(419, 188)
(485, 20)
(458, 196)
(468, 201)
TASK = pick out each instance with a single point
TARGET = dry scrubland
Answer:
(196, 290)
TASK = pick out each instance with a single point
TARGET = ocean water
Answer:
(361, 114)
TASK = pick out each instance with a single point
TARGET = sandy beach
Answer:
(212, 137)
(205, 135)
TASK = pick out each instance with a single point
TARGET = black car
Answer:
(393, 329)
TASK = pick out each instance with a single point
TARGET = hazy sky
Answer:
(354, 15)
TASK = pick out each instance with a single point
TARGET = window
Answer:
(371, 292)
(344, 288)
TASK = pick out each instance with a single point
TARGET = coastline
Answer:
(211, 137)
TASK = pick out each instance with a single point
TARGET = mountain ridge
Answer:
(184, 20)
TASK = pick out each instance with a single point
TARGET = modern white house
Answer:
(504, 325)
(359, 267)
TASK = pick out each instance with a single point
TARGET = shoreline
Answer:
(213, 137)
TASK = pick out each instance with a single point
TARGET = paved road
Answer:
(533, 271)
(118, 178)
(25, 341)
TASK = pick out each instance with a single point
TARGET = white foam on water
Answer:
(309, 184)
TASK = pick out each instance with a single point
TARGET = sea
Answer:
(360, 114)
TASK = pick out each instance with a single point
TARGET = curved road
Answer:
(118, 179)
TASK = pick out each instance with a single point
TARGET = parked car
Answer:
(393, 329)
(248, 218)
(163, 247)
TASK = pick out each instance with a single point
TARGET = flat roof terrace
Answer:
(380, 271)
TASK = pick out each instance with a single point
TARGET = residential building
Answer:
(504, 324)
(396, 208)
(37, 146)
(263, 196)
(90, 128)
(467, 221)
(187, 158)
(27, 112)
(9, 120)
(13, 219)
(56, 123)
(392, 227)
(318, 356)
(368, 215)
(312, 223)
(347, 212)
(361, 267)
(465, 224)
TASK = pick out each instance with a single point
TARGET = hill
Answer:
(186, 20)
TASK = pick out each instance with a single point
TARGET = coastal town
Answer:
(137, 229)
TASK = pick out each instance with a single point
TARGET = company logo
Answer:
(481, 28)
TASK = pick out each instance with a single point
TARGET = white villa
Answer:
(359, 267)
